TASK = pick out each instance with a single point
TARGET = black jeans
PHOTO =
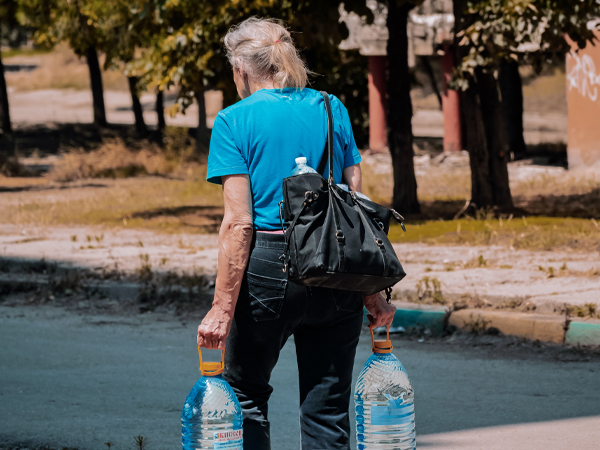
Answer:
(326, 326)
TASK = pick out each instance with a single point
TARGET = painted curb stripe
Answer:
(583, 333)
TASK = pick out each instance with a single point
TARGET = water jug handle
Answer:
(211, 368)
(381, 346)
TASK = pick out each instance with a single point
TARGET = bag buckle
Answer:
(310, 196)
(282, 259)
(340, 237)
(388, 295)
(379, 243)
(399, 218)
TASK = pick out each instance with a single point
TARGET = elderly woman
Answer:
(255, 310)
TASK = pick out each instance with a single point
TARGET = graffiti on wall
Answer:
(582, 76)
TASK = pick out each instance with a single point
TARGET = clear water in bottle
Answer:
(384, 402)
(211, 417)
(302, 167)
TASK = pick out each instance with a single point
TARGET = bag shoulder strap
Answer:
(328, 151)
(323, 162)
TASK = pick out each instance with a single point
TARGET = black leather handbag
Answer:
(334, 238)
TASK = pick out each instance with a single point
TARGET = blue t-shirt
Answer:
(263, 134)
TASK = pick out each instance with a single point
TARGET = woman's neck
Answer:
(257, 86)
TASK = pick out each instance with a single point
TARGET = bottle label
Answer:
(392, 414)
(228, 440)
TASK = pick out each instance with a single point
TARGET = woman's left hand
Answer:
(214, 329)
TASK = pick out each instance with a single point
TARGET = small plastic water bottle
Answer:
(211, 417)
(384, 399)
(302, 167)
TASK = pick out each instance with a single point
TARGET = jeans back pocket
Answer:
(265, 296)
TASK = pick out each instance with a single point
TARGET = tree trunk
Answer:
(400, 140)
(511, 87)
(429, 71)
(160, 110)
(5, 125)
(202, 135)
(140, 125)
(474, 138)
(495, 131)
(481, 186)
(96, 85)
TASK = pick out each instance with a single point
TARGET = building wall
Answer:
(583, 99)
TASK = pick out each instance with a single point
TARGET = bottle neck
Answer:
(219, 376)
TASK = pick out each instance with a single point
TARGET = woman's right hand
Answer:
(381, 313)
(214, 329)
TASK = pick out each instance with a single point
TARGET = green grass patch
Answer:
(535, 233)
(23, 52)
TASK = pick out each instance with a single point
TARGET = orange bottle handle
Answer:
(381, 346)
(212, 368)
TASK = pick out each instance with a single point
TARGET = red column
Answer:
(450, 106)
(377, 104)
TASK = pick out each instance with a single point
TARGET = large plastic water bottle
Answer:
(211, 416)
(385, 417)
(302, 167)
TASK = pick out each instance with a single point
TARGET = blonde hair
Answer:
(264, 49)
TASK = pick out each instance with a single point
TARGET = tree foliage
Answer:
(186, 49)
(530, 31)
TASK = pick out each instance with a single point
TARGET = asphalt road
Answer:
(75, 380)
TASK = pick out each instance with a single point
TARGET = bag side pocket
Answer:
(347, 301)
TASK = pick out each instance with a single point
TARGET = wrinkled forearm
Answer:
(235, 238)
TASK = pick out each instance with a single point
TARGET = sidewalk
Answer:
(510, 292)
(495, 275)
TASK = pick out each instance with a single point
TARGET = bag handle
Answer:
(328, 151)
(211, 368)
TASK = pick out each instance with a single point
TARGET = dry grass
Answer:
(62, 69)
(115, 158)
(569, 183)
(181, 205)
(443, 185)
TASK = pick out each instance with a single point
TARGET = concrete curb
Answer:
(546, 328)
(528, 326)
